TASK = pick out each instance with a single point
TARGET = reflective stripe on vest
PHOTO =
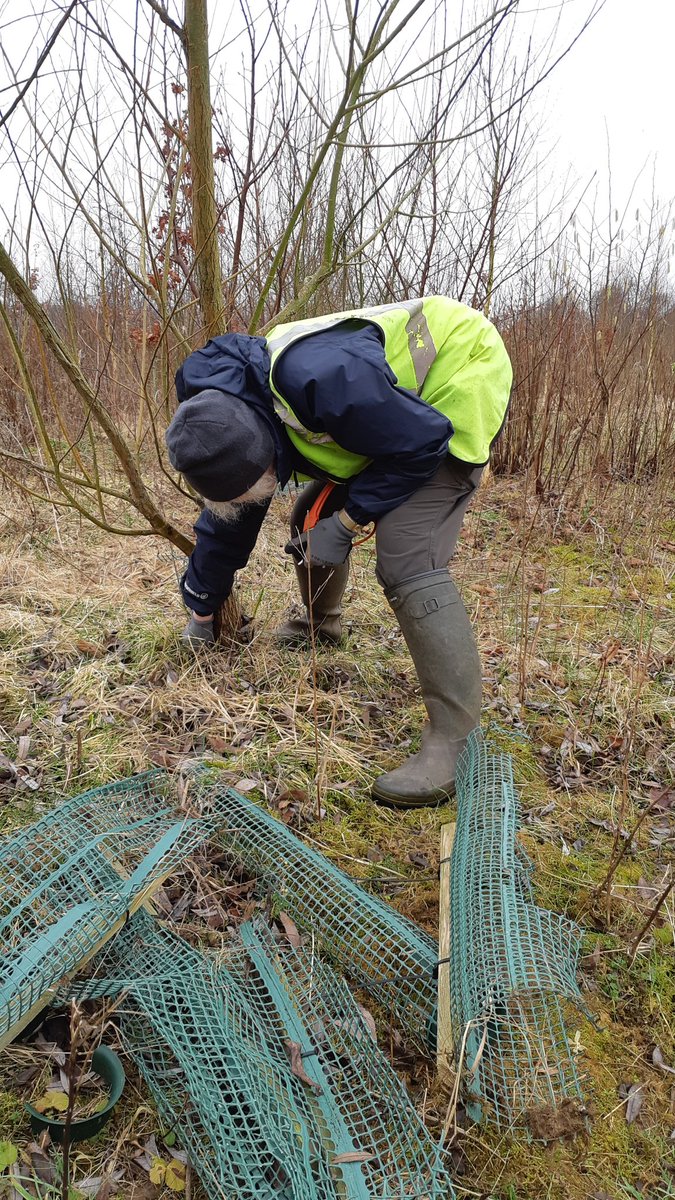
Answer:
(420, 342)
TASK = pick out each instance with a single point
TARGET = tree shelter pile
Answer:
(257, 1054)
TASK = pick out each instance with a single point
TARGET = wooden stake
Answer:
(444, 1046)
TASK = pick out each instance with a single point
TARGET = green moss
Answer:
(573, 555)
(14, 1120)
(612, 1155)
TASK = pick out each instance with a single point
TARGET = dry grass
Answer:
(575, 615)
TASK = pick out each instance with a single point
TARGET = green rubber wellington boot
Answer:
(438, 633)
(321, 590)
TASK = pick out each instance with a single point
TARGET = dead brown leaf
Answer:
(21, 1078)
(7, 769)
(294, 1052)
(92, 649)
(219, 744)
(369, 1020)
(146, 1154)
(295, 808)
(608, 826)
(290, 929)
(369, 710)
(633, 1095)
(645, 890)
(41, 1163)
(419, 860)
(292, 796)
(162, 902)
(23, 748)
(218, 919)
(663, 799)
(100, 1187)
(592, 961)
(161, 756)
(659, 1061)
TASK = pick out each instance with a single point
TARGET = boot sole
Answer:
(432, 801)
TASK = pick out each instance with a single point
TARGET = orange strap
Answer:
(314, 513)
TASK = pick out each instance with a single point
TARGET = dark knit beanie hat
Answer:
(220, 444)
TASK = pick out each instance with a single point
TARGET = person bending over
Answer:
(396, 406)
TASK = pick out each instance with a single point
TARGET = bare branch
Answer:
(163, 15)
(42, 57)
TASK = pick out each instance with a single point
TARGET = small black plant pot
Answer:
(106, 1064)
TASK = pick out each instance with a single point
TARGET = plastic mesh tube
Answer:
(389, 956)
(512, 964)
(68, 881)
(263, 1064)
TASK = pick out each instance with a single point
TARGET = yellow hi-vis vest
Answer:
(446, 352)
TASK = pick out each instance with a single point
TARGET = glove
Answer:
(326, 545)
(198, 633)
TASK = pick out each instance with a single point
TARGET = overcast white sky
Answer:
(612, 95)
(617, 87)
(616, 84)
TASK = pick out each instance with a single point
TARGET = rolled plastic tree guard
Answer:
(71, 880)
(389, 956)
(513, 965)
(214, 1038)
(262, 1062)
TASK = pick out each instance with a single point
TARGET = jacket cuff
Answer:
(201, 602)
(357, 513)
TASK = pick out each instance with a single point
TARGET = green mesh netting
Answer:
(388, 955)
(67, 880)
(70, 878)
(512, 964)
(216, 1040)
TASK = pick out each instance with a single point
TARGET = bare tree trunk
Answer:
(204, 212)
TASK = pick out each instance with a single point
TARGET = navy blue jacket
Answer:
(339, 382)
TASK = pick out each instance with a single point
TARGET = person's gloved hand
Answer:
(198, 633)
(326, 545)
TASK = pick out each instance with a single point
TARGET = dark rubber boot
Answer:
(321, 588)
(440, 639)
(321, 591)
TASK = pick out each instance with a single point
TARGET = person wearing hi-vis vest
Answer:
(397, 406)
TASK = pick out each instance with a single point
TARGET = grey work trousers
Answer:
(421, 534)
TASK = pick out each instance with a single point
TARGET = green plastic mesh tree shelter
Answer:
(262, 1062)
(389, 956)
(512, 964)
(70, 881)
